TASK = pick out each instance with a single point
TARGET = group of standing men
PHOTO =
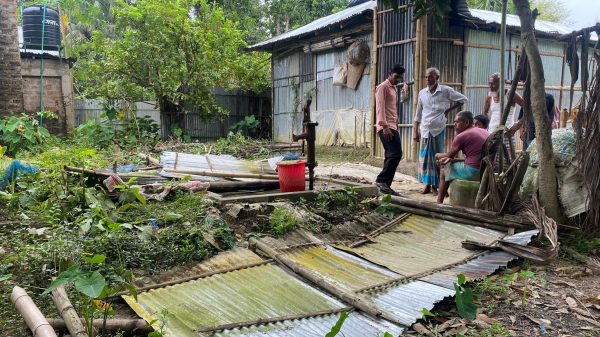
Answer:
(435, 102)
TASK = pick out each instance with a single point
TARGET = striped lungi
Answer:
(429, 172)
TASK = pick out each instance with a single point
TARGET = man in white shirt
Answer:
(435, 102)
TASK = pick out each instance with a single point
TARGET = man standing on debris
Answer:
(386, 108)
(469, 140)
(435, 102)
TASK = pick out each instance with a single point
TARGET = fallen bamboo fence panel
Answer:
(34, 318)
(68, 313)
(138, 326)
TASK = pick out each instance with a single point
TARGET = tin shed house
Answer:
(329, 60)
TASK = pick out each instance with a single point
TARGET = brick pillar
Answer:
(11, 83)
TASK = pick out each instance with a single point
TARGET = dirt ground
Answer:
(562, 299)
(405, 184)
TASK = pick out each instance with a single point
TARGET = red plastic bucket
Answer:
(291, 176)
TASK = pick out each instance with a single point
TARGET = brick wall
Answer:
(11, 90)
(58, 92)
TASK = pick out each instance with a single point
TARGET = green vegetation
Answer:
(282, 221)
(22, 134)
(346, 199)
(465, 300)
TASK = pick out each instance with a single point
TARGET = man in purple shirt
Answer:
(469, 140)
(386, 110)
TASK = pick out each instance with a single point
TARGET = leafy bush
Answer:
(282, 221)
(348, 199)
(249, 125)
(97, 133)
(240, 146)
(130, 132)
(22, 133)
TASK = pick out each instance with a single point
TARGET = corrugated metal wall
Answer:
(342, 113)
(466, 57)
(238, 104)
(86, 110)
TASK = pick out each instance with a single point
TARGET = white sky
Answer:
(583, 13)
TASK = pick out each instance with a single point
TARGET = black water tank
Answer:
(32, 28)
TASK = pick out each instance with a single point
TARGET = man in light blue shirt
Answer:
(435, 102)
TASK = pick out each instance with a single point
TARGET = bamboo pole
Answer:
(503, 53)
(374, 53)
(149, 159)
(465, 213)
(34, 318)
(226, 174)
(68, 313)
(271, 320)
(380, 230)
(138, 326)
(354, 300)
(456, 219)
(227, 186)
(417, 86)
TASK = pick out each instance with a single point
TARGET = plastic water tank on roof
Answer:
(34, 22)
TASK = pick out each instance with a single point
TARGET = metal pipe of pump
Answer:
(309, 133)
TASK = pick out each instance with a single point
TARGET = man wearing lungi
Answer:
(435, 102)
(469, 140)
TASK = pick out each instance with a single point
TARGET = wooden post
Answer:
(417, 85)
(374, 56)
(68, 313)
(464, 213)
(34, 318)
(226, 175)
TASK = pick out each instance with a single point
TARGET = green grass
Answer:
(339, 154)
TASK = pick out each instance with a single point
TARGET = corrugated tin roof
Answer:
(514, 21)
(420, 244)
(479, 267)
(224, 260)
(268, 291)
(356, 325)
(321, 23)
(243, 295)
(405, 302)
(345, 273)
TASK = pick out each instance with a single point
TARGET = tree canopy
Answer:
(176, 52)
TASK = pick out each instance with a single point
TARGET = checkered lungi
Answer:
(429, 172)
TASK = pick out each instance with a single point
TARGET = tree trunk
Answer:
(548, 187)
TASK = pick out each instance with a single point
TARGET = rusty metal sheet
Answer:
(345, 273)
(243, 295)
(420, 244)
(356, 325)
